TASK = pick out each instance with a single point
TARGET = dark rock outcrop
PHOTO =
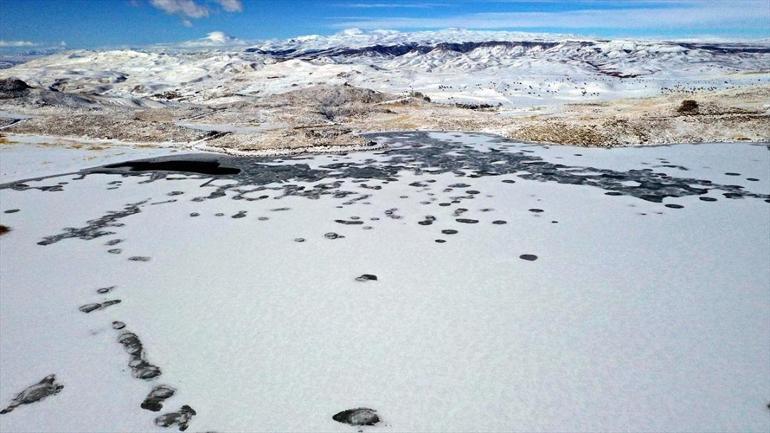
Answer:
(13, 88)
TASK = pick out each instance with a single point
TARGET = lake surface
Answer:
(451, 282)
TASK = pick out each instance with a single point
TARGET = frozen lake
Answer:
(518, 288)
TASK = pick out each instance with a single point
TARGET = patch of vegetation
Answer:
(476, 106)
(419, 95)
(688, 106)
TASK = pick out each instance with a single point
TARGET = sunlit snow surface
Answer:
(635, 316)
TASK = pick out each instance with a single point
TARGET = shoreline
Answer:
(99, 156)
(292, 123)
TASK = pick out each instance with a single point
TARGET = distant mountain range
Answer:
(452, 65)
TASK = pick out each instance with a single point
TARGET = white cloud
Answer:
(185, 8)
(231, 5)
(392, 5)
(218, 37)
(194, 9)
(214, 39)
(16, 44)
(659, 14)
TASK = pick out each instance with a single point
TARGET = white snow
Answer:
(46, 156)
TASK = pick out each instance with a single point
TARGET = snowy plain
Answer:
(643, 311)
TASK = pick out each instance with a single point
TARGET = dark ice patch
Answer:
(391, 213)
(187, 165)
(359, 416)
(35, 393)
(154, 400)
(181, 418)
(140, 367)
(104, 290)
(349, 223)
(415, 153)
(428, 220)
(87, 308)
(97, 227)
(367, 277)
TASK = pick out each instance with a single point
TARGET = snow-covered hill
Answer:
(512, 69)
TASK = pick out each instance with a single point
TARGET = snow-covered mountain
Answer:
(512, 69)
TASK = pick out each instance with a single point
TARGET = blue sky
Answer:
(104, 23)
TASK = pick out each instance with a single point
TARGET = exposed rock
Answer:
(12, 87)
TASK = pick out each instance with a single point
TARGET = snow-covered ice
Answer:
(645, 310)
